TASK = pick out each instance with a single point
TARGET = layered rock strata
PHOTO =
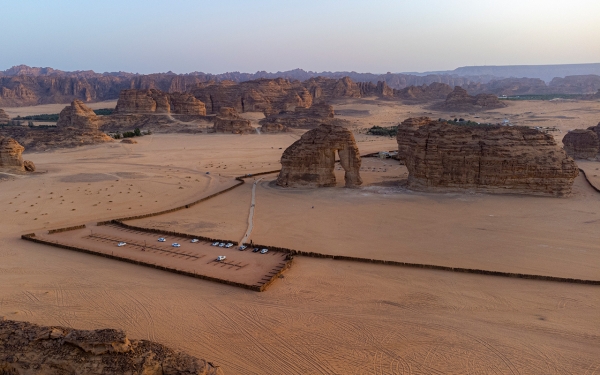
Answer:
(442, 156)
(10, 154)
(154, 101)
(4, 118)
(304, 118)
(78, 116)
(228, 121)
(309, 162)
(582, 143)
(460, 100)
(27, 348)
(424, 93)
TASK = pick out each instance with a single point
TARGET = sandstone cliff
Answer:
(155, 101)
(460, 100)
(309, 162)
(228, 121)
(4, 118)
(27, 348)
(304, 118)
(264, 95)
(441, 156)
(582, 143)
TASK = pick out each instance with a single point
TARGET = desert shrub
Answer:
(104, 111)
(137, 132)
(389, 131)
(44, 117)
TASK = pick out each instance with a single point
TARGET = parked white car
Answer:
(264, 251)
(175, 244)
(222, 244)
(162, 239)
(122, 244)
(221, 257)
(243, 247)
(195, 240)
(215, 243)
(229, 245)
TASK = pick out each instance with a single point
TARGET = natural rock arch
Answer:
(309, 162)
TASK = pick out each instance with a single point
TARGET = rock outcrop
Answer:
(228, 121)
(10, 154)
(78, 116)
(304, 118)
(582, 143)
(154, 101)
(442, 156)
(309, 162)
(77, 126)
(424, 93)
(29, 166)
(460, 100)
(27, 348)
(274, 128)
(4, 118)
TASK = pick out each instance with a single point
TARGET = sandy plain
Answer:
(323, 317)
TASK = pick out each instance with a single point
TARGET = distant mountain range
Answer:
(543, 72)
(23, 85)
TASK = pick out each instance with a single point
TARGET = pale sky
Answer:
(321, 35)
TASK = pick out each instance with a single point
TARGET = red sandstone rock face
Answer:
(4, 118)
(154, 101)
(228, 121)
(460, 100)
(10, 154)
(582, 143)
(304, 118)
(309, 161)
(27, 348)
(503, 159)
(79, 116)
(405, 131)
(263, 95)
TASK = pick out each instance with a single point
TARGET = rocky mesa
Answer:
(582, 143)
(309, 162)
(302, 118)
(27, 348)
(495, 159)
(460, 100)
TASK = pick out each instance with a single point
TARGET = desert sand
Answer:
(324, 316)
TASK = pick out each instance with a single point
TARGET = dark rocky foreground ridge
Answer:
(23, 85)
(27, 348)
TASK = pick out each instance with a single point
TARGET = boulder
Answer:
(29, 166)
(441, 157)
(581, 143)
(460, 100)
(4, 118)
(129, 141)
(10, 154)
(228, 121)
(78, 116)
(27, 348)
(309, 162)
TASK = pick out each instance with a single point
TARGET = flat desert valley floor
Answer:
(323, 316)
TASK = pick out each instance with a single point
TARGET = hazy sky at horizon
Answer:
(275, 35)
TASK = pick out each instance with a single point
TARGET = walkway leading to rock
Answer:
(251, 215)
